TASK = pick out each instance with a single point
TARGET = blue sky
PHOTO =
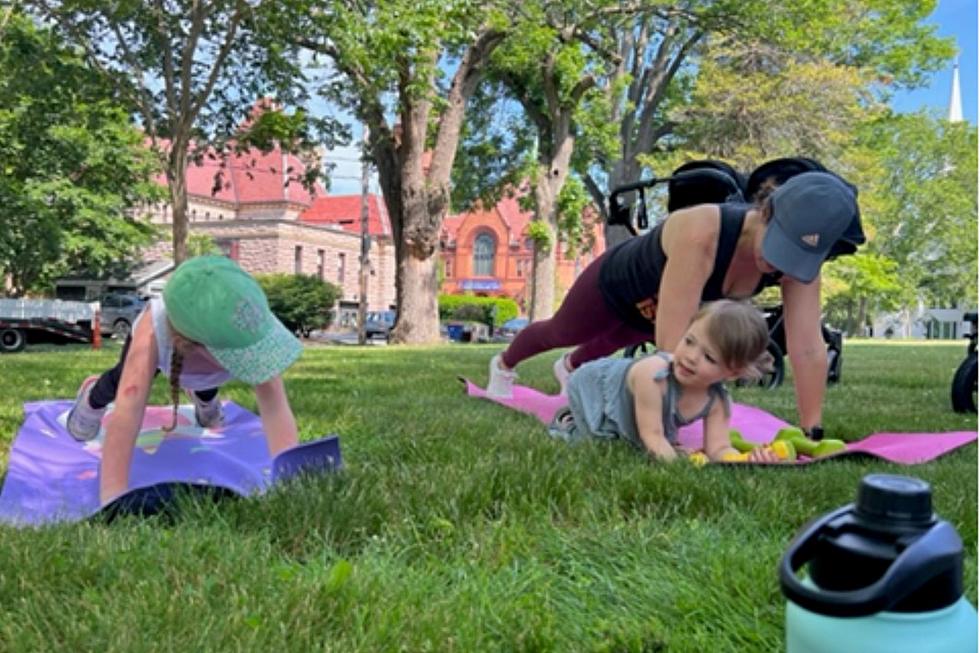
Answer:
(956, 18)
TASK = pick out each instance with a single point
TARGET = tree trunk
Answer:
(554, 158)
(177, 180)
(862, 316)
(416, 217)
(423, 210)
(543, 277)
(418, 310)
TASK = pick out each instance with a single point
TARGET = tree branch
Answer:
(520, 89)
(581, 88)
(168, 59)
(187, 59)
(548, 87)
(464, 83)
(637, 70)
(137, 97)
(219, 62)
(645, 138)
(331, 51)
(598, 197)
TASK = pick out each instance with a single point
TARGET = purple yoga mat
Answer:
(756, 425)
(51, 477)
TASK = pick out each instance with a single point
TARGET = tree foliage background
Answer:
(204, 77)
(558, 101)
(73, 166)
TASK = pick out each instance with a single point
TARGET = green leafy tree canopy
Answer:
(74, 170)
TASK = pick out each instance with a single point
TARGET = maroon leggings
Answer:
(583, 319)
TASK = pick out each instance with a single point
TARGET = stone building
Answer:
(267, 223)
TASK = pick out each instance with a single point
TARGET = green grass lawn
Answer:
(458, 525)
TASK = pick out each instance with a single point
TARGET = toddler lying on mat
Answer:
(644, 401)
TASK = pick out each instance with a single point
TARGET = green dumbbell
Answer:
(827, 447)
(808, 447)
(738, 443)
(803, 444)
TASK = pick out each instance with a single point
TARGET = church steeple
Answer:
(955, 101)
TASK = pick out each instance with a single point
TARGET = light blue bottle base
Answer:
(950, 630)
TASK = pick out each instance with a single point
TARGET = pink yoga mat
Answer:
(756, 425)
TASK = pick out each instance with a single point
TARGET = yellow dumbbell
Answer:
(699, 459)
(783, 449)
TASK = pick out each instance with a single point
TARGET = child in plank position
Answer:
(646, 400)
(212, 324)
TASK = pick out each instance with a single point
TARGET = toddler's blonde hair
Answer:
(739, 333)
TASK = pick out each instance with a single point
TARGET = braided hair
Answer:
(180, 344)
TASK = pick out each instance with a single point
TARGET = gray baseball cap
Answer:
(810, 212)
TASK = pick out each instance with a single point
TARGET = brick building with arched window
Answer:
(488, 252)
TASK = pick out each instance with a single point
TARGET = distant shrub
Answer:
(489, 310)
(301, 302)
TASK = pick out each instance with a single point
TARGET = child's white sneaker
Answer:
(209, 414)
(562, 373)
(501, 384)
(83, 421)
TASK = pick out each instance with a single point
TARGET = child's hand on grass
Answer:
(663, 452)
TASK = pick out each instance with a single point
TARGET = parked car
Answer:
(379, 324)
(118, 313)
(510, 328)
(467, 331)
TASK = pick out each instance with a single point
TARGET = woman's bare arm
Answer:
(806, 348)
(690, 240)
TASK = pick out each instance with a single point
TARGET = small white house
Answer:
(928, 323)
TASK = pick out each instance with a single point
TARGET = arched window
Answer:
(483, 252)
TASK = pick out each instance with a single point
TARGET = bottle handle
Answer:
(935, 552)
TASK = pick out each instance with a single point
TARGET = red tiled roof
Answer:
(514, 215)
(248, 178)
(452, 224)
(345, 211)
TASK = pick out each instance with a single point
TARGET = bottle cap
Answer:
(895, 500)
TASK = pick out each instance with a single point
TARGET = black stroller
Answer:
(715, 182)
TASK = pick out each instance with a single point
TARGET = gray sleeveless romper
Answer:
(600, 404)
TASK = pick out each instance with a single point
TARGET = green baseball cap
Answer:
(212, 301)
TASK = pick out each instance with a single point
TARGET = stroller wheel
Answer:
(633, 350)
(774, 377)
(835, 345)
(964, 392)
(834, 364)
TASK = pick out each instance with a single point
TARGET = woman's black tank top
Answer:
(629, 278)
